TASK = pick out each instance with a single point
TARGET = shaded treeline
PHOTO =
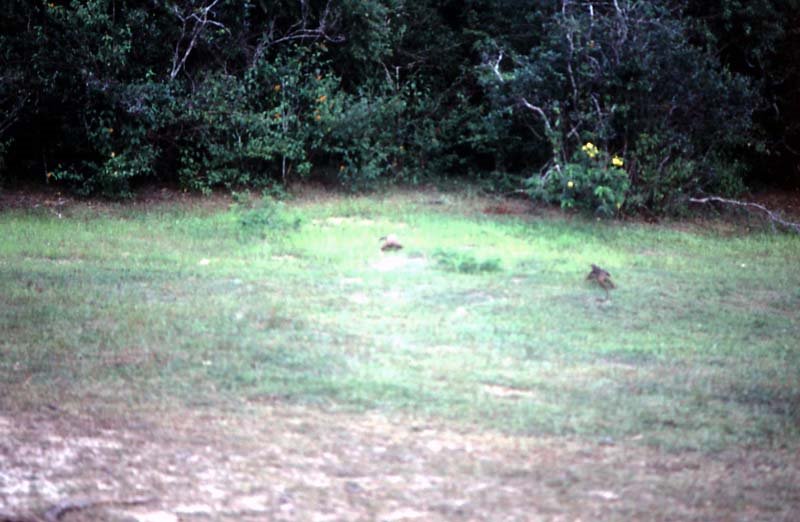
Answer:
(675, 97)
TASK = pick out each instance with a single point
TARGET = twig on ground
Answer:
(773, 216)
(516, 192)
(55, 513)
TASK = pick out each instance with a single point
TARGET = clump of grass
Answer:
(268, 219)
(464, 262)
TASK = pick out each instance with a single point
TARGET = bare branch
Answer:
(773, 216)
(302, 31)
(496, 66)
(308, 34)
(624, 26)
(597, 108)
(55, 513)
(540, 112)
(199, 20)
(573, 132)
(570, 40)
(394, 83)
(10, 116)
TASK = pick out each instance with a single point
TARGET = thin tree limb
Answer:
(200, 20)
(539, 111)
(302, 31)
(55, 513)
(496, 67)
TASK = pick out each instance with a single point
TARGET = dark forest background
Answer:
(596, 105)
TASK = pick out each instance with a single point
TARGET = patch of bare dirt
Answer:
(516, 207)
(35, 199)
(278, 462)
(787, 202)
(150, 197)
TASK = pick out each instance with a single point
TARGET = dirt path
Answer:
(277, 462)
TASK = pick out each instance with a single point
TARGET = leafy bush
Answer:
(254, 130)
(110, 178)
(364, 139)
(268, 219)
(592, 182)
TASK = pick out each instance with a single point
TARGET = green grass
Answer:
(697, 349)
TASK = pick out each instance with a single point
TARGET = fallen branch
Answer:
(515, 192)
(773, 216)
(55, 513)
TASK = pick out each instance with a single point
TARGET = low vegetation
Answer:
(481, 319)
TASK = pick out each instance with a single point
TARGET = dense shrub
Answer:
(591, 181)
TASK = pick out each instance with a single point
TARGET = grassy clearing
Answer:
(697, 349)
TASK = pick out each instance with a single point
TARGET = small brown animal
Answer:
(602, 277)
(390, 242)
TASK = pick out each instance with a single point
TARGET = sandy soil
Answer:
(280, 462)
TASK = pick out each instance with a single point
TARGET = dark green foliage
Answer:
(589, 181)
(100, 95)
(262, 127)
(759, 39)
(622, 78)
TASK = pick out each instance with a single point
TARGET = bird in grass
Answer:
(390, 242)
(602, 277)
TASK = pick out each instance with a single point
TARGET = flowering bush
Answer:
(617, 72)
(592, 181)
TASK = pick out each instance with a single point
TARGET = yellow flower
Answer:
(322, 99)
(617, 161)
(341, 168)
(570, 184)
(317, 117)
(110, 130)
(590, 149)
(277, 87)
(619, 205)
